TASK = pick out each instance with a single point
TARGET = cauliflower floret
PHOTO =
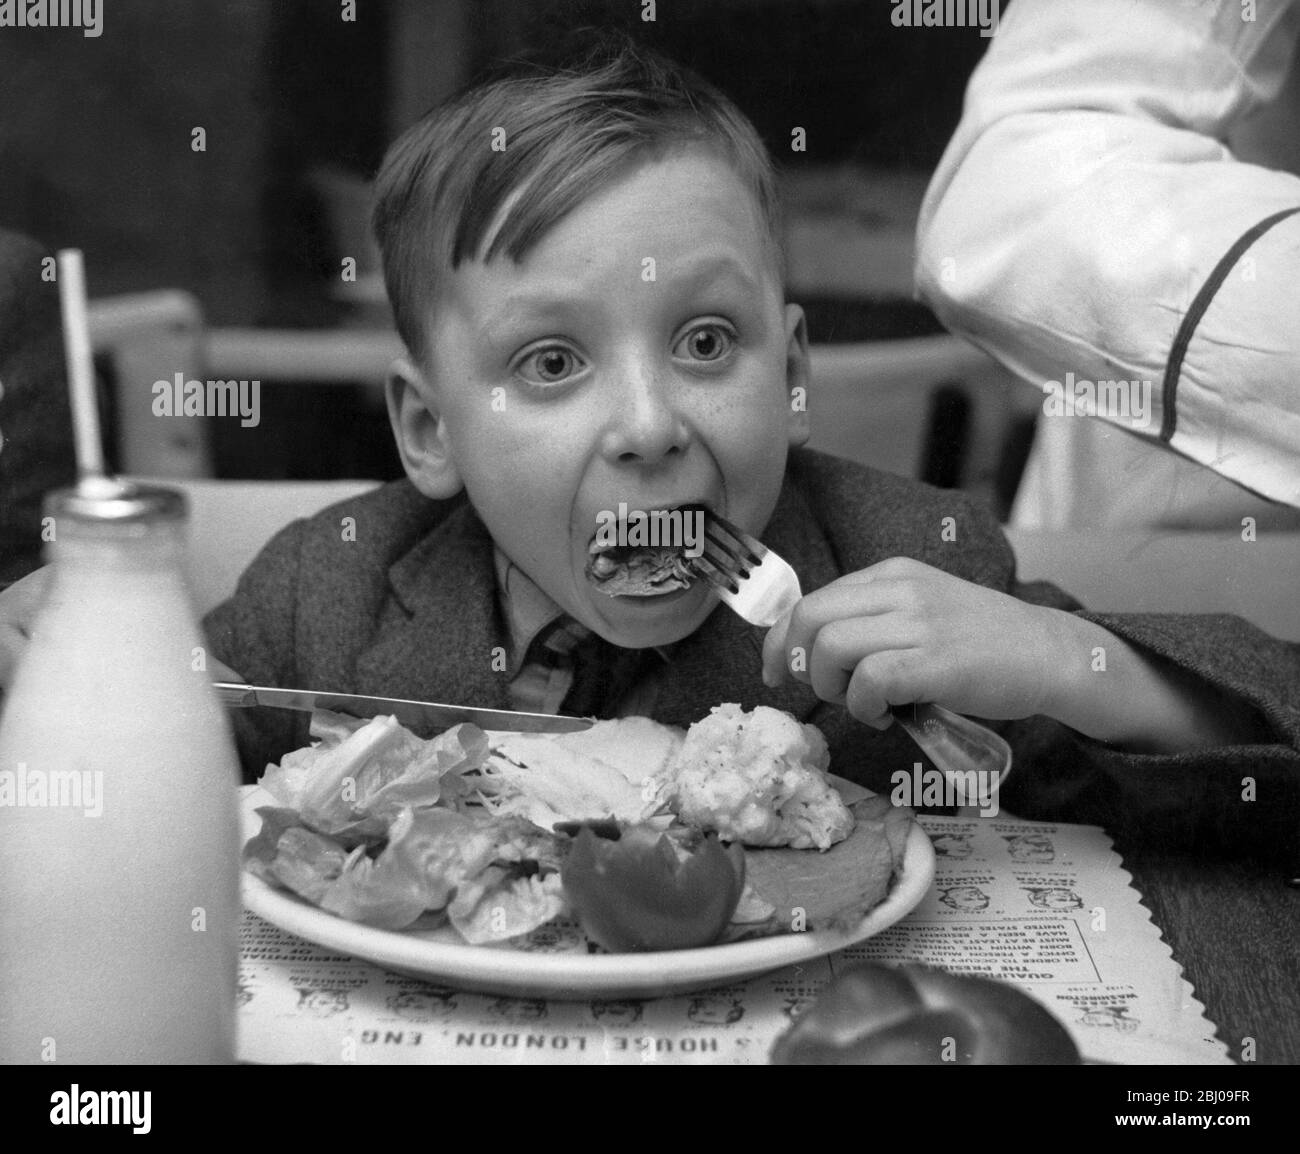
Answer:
(758, 778)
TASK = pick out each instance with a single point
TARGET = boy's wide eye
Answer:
(551, 365)
(705, 343)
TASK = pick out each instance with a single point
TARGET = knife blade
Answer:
(420, 715)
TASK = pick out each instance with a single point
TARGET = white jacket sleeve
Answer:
(1086, 203)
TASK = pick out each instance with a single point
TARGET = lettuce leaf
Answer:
(355, 782)
(499, 905)
(431, 856)
(289, 855)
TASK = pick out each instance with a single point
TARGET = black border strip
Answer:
(1183, 338)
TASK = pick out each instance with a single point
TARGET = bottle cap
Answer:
(112, 501)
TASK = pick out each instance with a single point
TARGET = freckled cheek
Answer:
(518, 474)
(753, 469)
(750, 429)
(492, 441)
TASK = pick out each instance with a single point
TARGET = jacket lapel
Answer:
(436, 637)
(721, 661)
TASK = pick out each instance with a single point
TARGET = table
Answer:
(1234, 926)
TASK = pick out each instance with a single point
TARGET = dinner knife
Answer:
(422, 715)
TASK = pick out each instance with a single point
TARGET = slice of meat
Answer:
(838, 888)
(640, 570)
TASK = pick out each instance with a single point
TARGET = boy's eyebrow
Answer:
(707, 273)
(513, 306)
(722, 267)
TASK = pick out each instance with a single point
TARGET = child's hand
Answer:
(902, 631)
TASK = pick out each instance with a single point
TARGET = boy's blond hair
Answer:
(491, 171)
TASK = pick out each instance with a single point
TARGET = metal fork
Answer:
(761, 587)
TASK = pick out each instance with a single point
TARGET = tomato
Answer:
(634, 894)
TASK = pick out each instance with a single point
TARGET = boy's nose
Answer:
(646, 426)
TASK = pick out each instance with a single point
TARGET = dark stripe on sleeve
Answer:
(1183, 338)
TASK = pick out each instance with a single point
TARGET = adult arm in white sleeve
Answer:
(1087, 218)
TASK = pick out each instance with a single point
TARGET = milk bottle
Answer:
(119, 843)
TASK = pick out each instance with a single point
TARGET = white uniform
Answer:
(1073, 223)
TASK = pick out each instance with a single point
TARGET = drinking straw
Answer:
(81, 372)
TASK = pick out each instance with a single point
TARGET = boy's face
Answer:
(641, 353)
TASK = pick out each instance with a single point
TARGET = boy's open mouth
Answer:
(644, 570)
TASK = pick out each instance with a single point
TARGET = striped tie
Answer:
(598, 675)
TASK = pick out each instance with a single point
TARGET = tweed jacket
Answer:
(409, 609)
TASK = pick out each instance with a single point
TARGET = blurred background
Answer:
(228, 259)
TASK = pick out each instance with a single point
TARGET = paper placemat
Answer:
(1048, 907)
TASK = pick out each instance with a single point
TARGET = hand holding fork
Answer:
(762, 588)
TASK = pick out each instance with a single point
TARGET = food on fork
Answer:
(639, 570)
(758, 778)
(646, 553)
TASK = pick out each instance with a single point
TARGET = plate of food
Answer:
(628, 860)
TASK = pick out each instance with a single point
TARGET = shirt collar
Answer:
(525, 609)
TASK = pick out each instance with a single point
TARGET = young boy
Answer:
(584, 266)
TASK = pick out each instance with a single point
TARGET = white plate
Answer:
(571, 973)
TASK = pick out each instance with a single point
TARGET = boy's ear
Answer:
(420, 432)
(798, 373)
